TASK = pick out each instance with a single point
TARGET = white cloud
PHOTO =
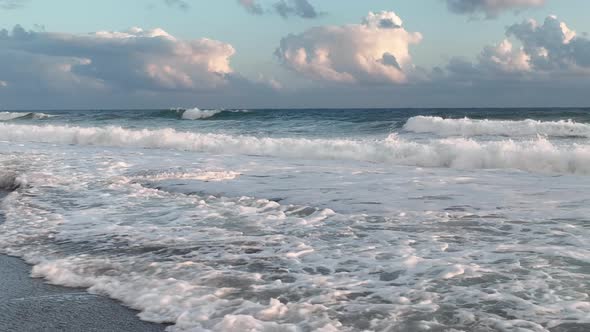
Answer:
(376, 51)
(490, 8)
(136, 59)
(3, 84)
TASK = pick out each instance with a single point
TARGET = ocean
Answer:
(309, 220)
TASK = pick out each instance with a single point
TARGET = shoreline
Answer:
(30, 304)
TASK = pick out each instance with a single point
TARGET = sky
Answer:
(74, 54)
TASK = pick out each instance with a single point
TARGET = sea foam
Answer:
(538, 155)
(468, 127)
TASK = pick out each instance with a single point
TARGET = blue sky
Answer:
(446, 35)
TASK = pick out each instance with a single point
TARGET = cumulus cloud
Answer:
(552, 45)
(490, 8)
(546, 51)
(133, 60)
(285, 8)
(375, 51)
(505, 57)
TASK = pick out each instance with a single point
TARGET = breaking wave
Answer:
(468, 127)
(7, 116)
(539, 155)
(199, 114)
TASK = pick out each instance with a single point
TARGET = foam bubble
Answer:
(468, 128)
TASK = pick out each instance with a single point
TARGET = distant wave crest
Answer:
(469, 128)
(199, 114)
(539, 155)
(7, 116)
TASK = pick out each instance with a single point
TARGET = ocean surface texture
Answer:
(309, 220)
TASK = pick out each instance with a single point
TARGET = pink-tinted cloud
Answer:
(375, 51)
(133, 59)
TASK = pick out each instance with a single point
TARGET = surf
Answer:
(536, 155)
(467, 127)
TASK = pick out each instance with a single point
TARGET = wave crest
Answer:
(197, 114)
(538, 155)
(7, 116)
(468, 127)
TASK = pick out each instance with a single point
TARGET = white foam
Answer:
(538, 155)
(468, 127)
(212, 176)
(511, 255)
(197, 114)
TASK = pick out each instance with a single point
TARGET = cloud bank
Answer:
(368, 64)
(490, 8)
(375, 51)
(132, 60)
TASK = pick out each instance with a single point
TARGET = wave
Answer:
(198, 114)
(7, 116)
(468, 127)
(538, 155)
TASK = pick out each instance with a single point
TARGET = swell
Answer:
(8, 116)
(539, 155)
(467, 127)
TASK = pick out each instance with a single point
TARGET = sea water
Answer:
(309, 220)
